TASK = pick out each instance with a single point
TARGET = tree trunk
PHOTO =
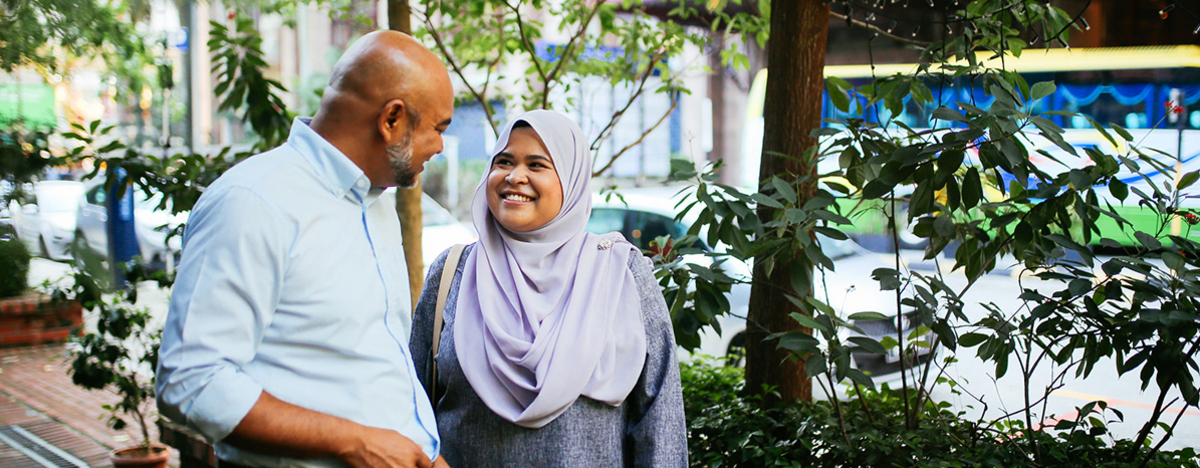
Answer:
(408, 201)
(796, 60)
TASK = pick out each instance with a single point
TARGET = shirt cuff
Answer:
(224, 402)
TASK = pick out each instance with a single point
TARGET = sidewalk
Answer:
(37, 396)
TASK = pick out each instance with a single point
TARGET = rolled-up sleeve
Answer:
(226, 291)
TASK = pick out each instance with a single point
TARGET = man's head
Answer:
(386, 106)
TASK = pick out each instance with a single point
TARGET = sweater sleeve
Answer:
(656, 426)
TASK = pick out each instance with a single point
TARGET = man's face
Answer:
(400, 157)
(423, 138)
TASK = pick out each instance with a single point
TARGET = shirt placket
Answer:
(423, 413)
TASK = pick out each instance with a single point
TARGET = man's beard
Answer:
(400, 156)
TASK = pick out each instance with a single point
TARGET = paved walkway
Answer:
(37, 396)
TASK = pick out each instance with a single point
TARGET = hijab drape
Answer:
(546, 316)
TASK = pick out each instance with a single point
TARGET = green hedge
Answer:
(14, 263)
(728, 430)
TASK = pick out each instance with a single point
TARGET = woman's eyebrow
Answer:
(538, 156)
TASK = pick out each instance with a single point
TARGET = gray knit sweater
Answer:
(646, 430)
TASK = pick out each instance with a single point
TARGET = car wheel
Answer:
(735, 356)
(84, 257)
(42, 245)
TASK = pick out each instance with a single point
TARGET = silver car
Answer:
(152, 226)
(47, 225)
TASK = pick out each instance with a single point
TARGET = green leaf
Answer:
(1174, 261)
(1118, 189)
(889, 279)
(1121, 131)
(1187, 180)
(830, 232)
(968, 340)
(867, 344)
(868, 316)
(815, 365)
(765, 200)
(799, 342)
(807, 322)
(1147, 240)
(946, 113)
(784, 189)
(972, 188)
(839, 98)
(1042, 89)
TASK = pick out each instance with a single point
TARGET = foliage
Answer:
(481, 40)
(31, 30)
(14, 263)
(239, 66)
(24, 154)
(48, 34)
(1136, 312)
(120, 355)
(726, 428)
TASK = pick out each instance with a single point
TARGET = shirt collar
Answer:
(340, 175)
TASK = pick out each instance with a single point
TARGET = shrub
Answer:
(14, 264)
(726, 429)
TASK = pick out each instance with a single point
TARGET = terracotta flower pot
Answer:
(155, 456)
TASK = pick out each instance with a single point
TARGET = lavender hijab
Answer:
(546, 316)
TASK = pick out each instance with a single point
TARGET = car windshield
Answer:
(432, 214)
(837, 249)
(57, 198)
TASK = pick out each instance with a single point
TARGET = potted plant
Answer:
(121, 354)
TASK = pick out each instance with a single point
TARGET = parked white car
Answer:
(151, 226)
(440, 230)
(645, 214)
(47, 225)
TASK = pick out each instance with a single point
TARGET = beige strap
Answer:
(448, 270)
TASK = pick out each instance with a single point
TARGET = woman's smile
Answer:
(523, 189)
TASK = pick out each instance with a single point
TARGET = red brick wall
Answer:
(36, 319)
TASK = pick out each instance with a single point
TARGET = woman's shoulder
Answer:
(440, 261)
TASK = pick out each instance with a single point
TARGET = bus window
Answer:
(1108, 104)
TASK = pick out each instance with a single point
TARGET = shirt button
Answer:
(362, 183)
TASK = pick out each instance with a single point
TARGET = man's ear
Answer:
(393, 120)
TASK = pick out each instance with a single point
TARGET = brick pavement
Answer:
(36, 393)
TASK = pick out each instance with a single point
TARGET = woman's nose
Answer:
(517, 175)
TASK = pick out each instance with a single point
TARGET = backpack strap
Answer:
(448, 270)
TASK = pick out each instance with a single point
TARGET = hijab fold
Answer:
(546, 316)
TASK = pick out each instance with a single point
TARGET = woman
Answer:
(557, 349)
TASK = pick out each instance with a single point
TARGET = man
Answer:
(286, 340)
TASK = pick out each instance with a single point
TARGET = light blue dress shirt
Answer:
(293, 282)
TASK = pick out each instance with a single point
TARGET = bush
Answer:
(726, 429)
(14, 263)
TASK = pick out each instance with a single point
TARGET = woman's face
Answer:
(523, 190)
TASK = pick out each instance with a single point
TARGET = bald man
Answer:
(286, 340)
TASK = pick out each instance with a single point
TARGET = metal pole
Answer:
(1178, 98)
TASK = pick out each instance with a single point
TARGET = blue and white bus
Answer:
(1127, 86)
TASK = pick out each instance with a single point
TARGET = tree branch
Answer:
(674, 104)
(441, 46)
(525, 40)
(566, 53)
(617, 116)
